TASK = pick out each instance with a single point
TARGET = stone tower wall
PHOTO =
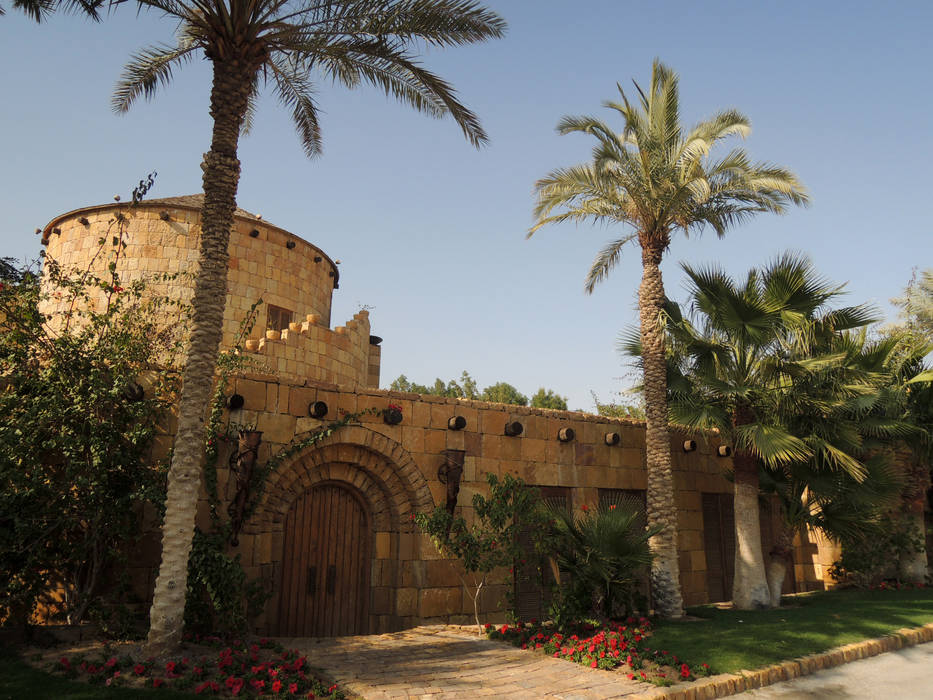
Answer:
(266, 262)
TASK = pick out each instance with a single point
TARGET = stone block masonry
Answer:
(332, 538)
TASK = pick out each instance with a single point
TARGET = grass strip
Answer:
(733, 640)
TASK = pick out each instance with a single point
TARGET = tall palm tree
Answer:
(655, 179)
(731, 368)
(40, 9)
(282, 43)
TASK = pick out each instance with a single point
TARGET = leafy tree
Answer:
(283, 44)
(654, 178)
(503, 392)
(41, 9)
(466, 388)
(618, 410)
(76, 430)
(546, 398)
(732, 371)
(491, 542)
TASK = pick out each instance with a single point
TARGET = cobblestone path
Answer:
(447, 662)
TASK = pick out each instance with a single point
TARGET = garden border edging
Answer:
(726, 684)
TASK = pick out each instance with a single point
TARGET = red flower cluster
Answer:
(607, 648)
(235, 671)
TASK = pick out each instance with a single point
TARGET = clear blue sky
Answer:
(431, 232)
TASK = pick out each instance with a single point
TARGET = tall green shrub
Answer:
(81, 395)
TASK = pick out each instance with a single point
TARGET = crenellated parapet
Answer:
(308, 350)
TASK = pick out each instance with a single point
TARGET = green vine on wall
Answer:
(220, 598)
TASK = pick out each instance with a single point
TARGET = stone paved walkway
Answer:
(447, 662)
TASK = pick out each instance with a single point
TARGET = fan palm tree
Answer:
(40, 9)
(848, 410)
(731, 367)
(604, 551)
(655, 179)
(282, 43)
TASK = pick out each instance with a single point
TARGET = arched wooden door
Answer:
(325, 564)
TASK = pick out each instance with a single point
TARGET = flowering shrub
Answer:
(236, 670)
(609, 647)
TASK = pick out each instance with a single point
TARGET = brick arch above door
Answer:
(378, 466)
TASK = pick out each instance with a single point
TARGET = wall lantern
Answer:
(317, 409)
(254, 233)
(290, 244)
(690, 445)
(724, 451)
(514, 428)
(456, 423)
(164, 216)
(83, 221)
(235, 402)
(613, 439)
(566, 434)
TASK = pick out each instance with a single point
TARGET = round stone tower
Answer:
(294, 279)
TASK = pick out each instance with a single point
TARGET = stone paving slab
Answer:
(440, 661)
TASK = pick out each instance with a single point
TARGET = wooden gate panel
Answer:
(325, 564)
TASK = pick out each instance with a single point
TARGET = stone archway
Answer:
(389, 487)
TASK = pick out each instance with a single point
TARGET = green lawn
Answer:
(19, 681)
(730, 640)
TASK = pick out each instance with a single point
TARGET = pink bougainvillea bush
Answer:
(621, 646)
(237, 669)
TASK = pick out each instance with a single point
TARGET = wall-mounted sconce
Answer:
(235, 402)
(456, 423)
(254, 233)
(317, 409)
(514, 429)
(690, 445)
(133, 392)
(164, 216)
(613, 439)
(290, 244)
(724, 451)
(566, 434)
(83, 221)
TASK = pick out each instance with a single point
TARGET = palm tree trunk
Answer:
(229, 96)
(750, 585)
(665, 569)
(777, 567)
(912, 566)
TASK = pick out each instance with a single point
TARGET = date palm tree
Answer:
(283, 44)
(655, 179)
(762, 362)
(40, 9)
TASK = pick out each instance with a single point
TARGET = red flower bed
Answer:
(235, 670)
(615, 646)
